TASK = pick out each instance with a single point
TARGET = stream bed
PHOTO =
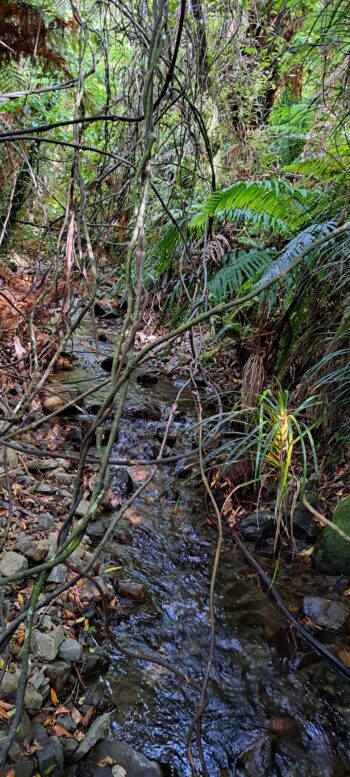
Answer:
(275, 709)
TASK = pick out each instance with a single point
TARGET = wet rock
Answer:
(332, 553)
(69, 747)
(33, 700)
(257, 760)
(94, 663)
(24, 729)
(70, 650)
(14, 752)
(89, 592)
(258, 526)
(58, 674)
(122, 482)
(325, 612)
(147, 378)
(12, 458)
(58, 574)
(97, 731)
(131, 590)
(24, 768)
(304, 524)
(50, 756)
(145, 411)
(34, 550)
(46, 646)
(11, 563)
(63, 478)
(67, 722)
(134, 762)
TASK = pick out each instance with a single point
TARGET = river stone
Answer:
(58, 674)
(325, 613)
(51, 403)
(46, 521)
(24, 768)
(122, 482)
(97, 731)
(46, 646)
(50, 756)
(130, 589)
(94, 663)
(35, 550)
(70, 650)
(82, 508)
(14, 752)
(147, 378)
(258, 526)
(33, 700)
(58, 574)
(11, 563)
(134, 763)
(332, 554)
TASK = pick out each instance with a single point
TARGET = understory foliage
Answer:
(249, 170)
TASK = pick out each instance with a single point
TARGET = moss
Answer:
(332, 554)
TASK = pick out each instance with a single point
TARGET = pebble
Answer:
(58, 674)
(70, 650)
(11, 563)
(58, 574)
(97, 730)
(35, 550)
(325, 612)
(46, 646)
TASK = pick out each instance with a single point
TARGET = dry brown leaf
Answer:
(118, 771)
(11, 773)
(107, 761)
(346, 592)
(61, 731)
(86, 719)
(54, 697)
(79, 736)
(62, 710)
(75, 715)
(344, 656)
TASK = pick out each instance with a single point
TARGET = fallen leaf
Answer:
(344, 656)
(62, 711)
(111, 569)
(346, 592)
(54, 697)
(86, 719)
(107, 761)
(61, 731)
(79, 736)
(11, 773)
(75, 715)
(20, 599)
(118, 771)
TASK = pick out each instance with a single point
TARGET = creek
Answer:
(275, 709)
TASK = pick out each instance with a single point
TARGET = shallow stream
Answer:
(275, 709)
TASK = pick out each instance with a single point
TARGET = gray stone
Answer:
(14, 752)
(45, 488)
(33, 700)
(11, 563)
(58, 674)
(69, 747)
(35, 550)
(46, 521)
(58, 574)
(70, 650)
(82, 508)
(42, 464)
(97, 731)
(46, 646)
(94, 663)
(325, 612)
(25, 768)
(258, 526)
(63, 478)
(24, 729)
(67, 723)
(130, 589)
(134, 763)
(90, 593)
(50, 758)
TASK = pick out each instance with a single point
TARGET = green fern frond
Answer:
(269, 204)
(324, 166)
(241, 266)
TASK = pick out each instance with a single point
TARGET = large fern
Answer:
(268, 204)
(240, 266)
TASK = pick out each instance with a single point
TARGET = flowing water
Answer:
(275, 710)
